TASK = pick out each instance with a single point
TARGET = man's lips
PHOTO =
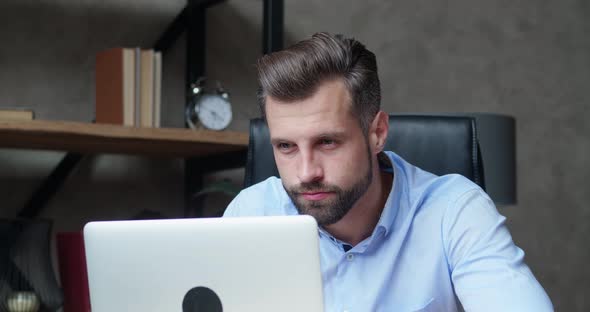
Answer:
(315, 195)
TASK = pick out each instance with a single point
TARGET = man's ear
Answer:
(378, 131)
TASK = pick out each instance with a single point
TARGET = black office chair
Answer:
(438, 144)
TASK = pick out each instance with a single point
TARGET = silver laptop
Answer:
(218, 264)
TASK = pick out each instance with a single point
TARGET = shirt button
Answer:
(349, 257)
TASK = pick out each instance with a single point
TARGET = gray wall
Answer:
(529, 59)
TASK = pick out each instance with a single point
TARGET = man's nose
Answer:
(310, 168)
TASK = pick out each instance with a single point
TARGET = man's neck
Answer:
(360, 221)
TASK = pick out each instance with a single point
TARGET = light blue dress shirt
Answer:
(439, 239)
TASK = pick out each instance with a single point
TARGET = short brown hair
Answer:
(296, 72)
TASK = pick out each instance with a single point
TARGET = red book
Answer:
(116, 86)
(72, 270)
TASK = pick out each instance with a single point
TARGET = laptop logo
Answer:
(201, 299)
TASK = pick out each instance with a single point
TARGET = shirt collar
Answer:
(387, 162)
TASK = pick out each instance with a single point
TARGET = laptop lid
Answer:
(240, 264)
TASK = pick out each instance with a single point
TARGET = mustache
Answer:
(314, 187)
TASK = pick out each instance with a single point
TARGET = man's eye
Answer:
(284, 146)
(327, 142)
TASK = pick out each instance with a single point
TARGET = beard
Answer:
(331, 210)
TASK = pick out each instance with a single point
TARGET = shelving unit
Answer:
(192, 21)
(203, 151)
(90, 138)
(211, 150)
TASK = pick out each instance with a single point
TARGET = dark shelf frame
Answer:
(192, 20)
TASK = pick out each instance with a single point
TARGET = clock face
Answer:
(214, 112)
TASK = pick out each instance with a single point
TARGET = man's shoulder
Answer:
(428, 192)
(264, 198)
(421, 182)
(271, 184)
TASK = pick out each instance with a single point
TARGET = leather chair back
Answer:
(438, 144)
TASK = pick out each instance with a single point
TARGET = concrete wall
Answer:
(529, 59)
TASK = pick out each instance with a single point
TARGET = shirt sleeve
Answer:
(487, 268)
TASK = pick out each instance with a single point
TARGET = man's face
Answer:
(322, 155)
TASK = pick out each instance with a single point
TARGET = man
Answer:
(392, 237)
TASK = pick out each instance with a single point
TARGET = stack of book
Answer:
(128, 87)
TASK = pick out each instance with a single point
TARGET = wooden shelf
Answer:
(91, 138)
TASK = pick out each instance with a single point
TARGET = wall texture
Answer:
(529, 59)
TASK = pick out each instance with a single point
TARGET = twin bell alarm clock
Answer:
(209, 109)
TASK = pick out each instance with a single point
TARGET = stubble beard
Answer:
(332, 210)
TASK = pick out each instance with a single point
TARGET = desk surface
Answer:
(91, 138)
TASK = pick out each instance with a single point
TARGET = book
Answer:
(146, 106)
(72, 270)
(116, 86)
(157, 89)
(137, 83)
(16, 114)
